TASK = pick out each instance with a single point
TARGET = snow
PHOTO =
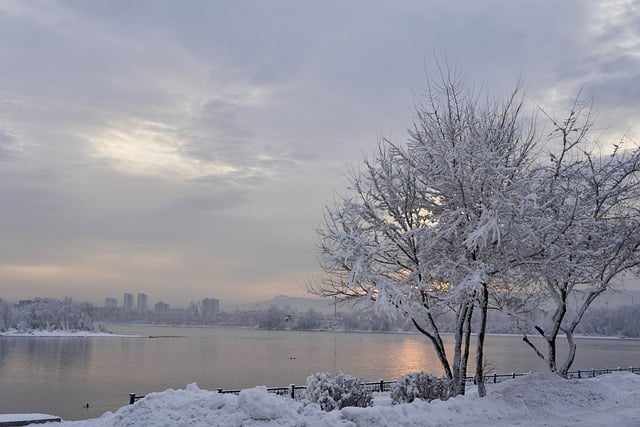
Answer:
(533, 400)
(58, 333)
(8, 418)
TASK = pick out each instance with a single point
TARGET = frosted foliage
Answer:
(446, 208)
(48, 314)
(420, 385)
(337, 392)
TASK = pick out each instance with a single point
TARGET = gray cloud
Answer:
(8, 144)
(152, 144)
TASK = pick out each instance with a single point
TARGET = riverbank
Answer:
(532, 400)
(60, 375)
(59, 333)
(13, 420)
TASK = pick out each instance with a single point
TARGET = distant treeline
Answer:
(622, 321)
(66, 314)
(47, 314)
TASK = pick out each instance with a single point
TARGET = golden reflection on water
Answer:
(410, 355)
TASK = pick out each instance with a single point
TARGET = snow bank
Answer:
(19, 418)
(57, 333)
(533, 400)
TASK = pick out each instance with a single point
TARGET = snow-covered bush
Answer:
(337, 392)
(423, 386)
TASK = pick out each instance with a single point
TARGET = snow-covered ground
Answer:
(21, 418)
(538, 399)
(42, 333)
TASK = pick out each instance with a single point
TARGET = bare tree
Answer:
(588, 231)
(429, 226)
(469, 216)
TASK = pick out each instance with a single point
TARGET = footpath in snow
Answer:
(538, 399)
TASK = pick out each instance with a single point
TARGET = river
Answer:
(61, 375)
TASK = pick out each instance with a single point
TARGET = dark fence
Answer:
(580, 373)
(293, 391)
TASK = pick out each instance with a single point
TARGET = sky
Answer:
(187, 149)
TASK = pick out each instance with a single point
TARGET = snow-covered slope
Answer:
(534, 400)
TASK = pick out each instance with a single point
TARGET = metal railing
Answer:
(292, 390)
(580, 373)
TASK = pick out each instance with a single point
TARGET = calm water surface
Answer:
(60, 375)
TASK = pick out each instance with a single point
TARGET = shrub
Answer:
(422, 386)
(337, 392)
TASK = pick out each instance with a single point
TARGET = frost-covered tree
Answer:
(587, 228)
(428, 227)
(470, 215)
(54, 314)
(274, 318)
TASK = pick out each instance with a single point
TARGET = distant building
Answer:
(127, 302)
(110, 302)
(161, 307)
(142, 302)
(193, 310)
(210, 308)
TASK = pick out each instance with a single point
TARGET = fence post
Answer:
(579, 374)
(381, 385)
(292, 391)
(606, 370)
(495, 377)
(132, 398)
(513, 375)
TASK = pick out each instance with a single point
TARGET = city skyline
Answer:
(190, 148)
(143, 303)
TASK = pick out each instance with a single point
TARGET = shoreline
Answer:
(63, 334)
(356, 331)
(94, 334)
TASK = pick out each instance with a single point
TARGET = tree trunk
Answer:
(438, 345)
(484, 303)
(465, 353)
(568, 361)
(552, 337)
(551, 354)
(457, 354)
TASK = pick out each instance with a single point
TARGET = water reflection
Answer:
(32, 368)
(51, 353)
(60, 375)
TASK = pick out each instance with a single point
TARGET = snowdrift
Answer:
(534, 400)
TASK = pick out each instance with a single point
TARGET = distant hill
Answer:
(324, 306)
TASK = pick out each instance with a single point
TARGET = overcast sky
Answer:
(186, 149)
